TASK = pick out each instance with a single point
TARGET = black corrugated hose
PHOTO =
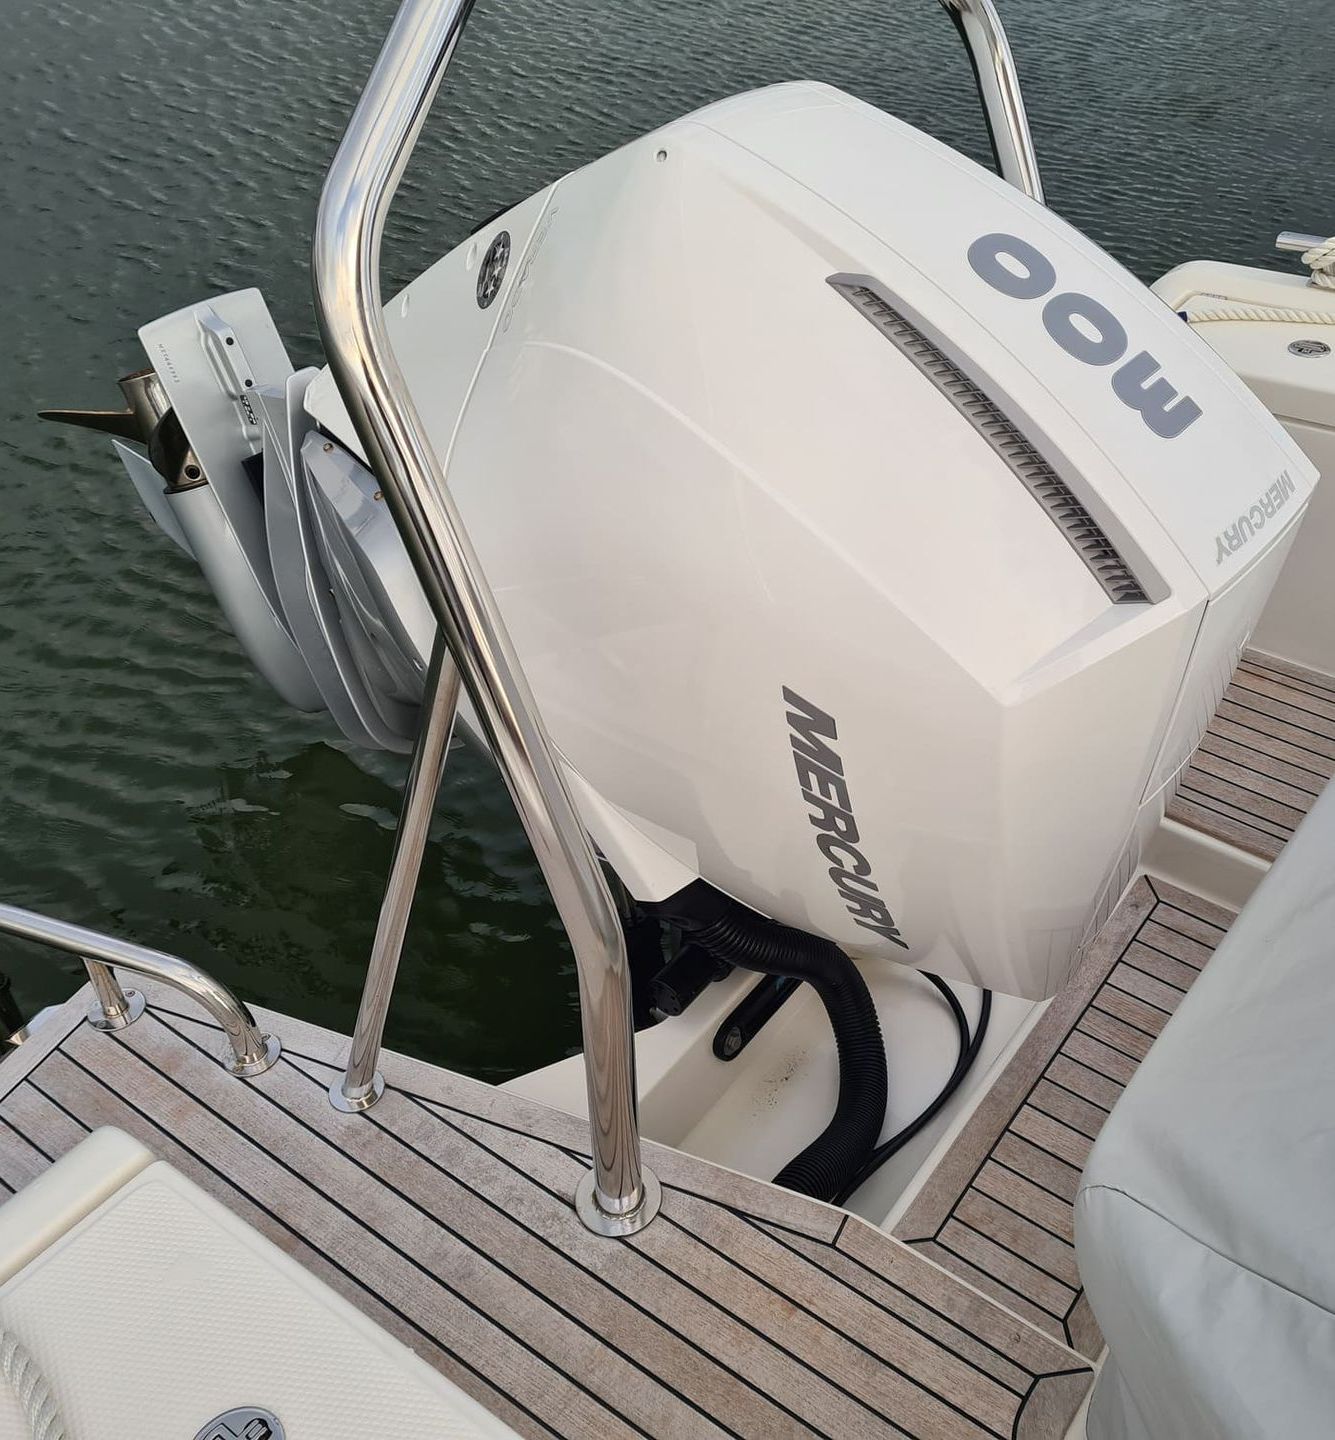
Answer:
(729, 931)
(970, 1044)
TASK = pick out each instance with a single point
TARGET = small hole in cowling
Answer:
(661, 156)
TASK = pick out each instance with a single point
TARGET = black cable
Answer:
(970, 1045)
(730, 931)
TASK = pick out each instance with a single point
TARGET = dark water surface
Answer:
(158, 151)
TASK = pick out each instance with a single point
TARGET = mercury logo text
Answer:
(820, 773)
(1237, 535)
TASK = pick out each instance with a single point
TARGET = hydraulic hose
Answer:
(729, 931)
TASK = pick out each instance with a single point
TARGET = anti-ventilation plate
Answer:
(1085, 535)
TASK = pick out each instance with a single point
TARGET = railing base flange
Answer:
(272, 1050)
(598, 1220)
(134, 1008)
(355, 1104)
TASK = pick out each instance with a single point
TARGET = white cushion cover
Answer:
(1205, 1220)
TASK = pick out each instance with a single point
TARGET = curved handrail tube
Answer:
(251, 1051)
(981, 29)
(357, 193)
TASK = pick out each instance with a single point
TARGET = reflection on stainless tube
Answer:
(999, 89)
(251, 1052)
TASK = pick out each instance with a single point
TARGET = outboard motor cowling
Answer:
(876, 547)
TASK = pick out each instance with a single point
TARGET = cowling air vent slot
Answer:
(1086, 536)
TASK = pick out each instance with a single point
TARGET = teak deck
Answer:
(997, 1210)
(445, 1213)
(1265, 758)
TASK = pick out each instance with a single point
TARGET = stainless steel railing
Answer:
(981, 29)
(249, 1051)
(361, 1084)
(619, 1196)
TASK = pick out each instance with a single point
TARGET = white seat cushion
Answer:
(1205, 1221)
(60, 1197)
(160, 1310)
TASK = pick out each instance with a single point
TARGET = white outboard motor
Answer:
(876, 547)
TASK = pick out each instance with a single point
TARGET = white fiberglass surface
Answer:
(754, 1113)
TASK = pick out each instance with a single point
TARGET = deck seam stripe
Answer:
(1248, 789)
(1253, 727)
(1250, 662)
(1167, 955)
(1252, 747)
(1133, 995)
(1057, 1159)
(1113, 1079)
(908, 1245)
(1291, 687)
(1075, 1095)
(1016, 1255)
(1149, 975)
(1280, 719)
(1015, 1424)
(28, 1080)
(1150, 1035)
(27, 1140)
(898, 1318)
(429, 1100)
(1028, 1220)
(1265, 738)
(433, 1105)
(1204, 749)
(1056, 1120)
(997, 1280)
(1195, 966)
(1168, 904)
(1089, 1069)
(1202, 798)
(1290, 683)
(1116, 1049)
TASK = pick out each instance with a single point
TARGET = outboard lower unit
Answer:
(876, 547)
